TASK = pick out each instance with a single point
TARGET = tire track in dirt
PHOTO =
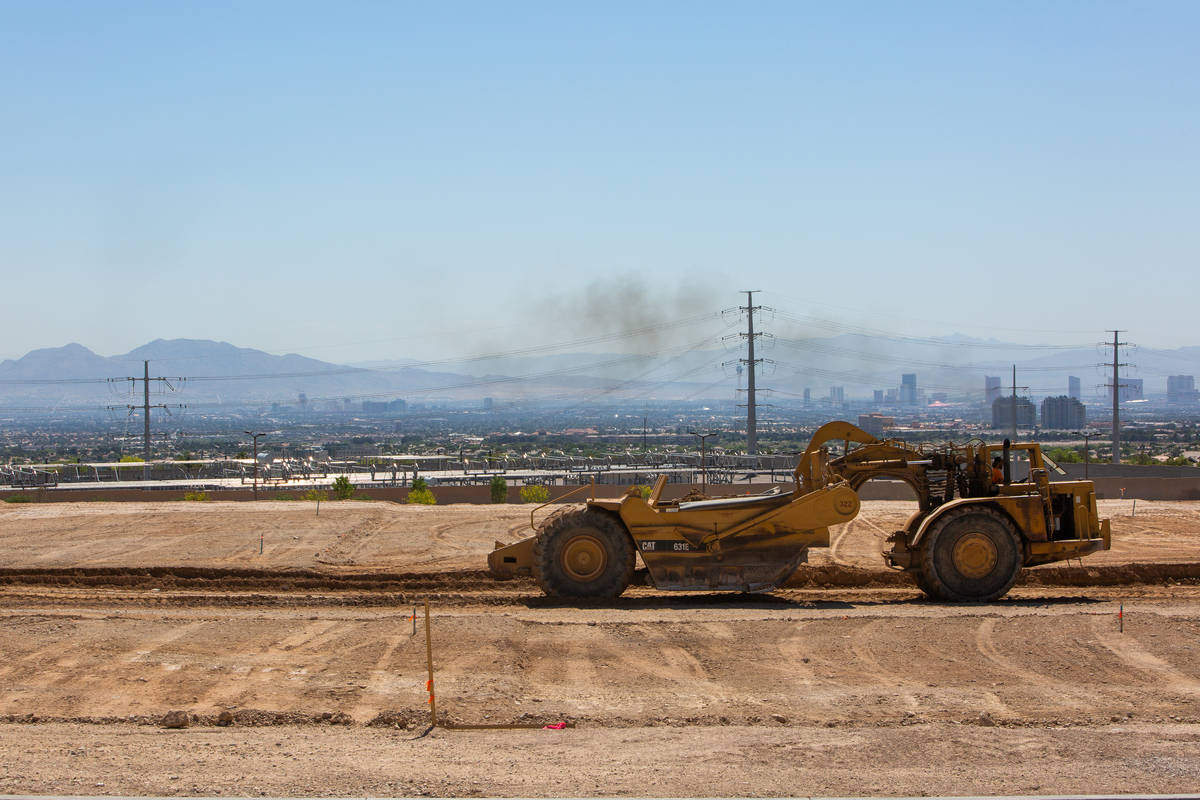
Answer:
(655, 654)
(835, 546)
(1131, 653)
(853, 528)
(1074, 697)
(381, 681)
(862, 638)
(243, 682)
(350, 543)
(107, 673)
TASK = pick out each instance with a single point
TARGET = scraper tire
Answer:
(971, 555)
(583, 554)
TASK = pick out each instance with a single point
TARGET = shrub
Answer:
(343, 489)
(534, 494)
(643, 490)
(132, 460)
(316, 494)
(198, 496)
(18, 498)
(499, 489)
(423, 496)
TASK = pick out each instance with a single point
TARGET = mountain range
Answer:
(209, 372)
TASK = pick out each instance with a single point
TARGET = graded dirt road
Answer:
(113, 614)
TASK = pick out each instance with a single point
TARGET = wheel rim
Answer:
(975, 555)
(584, 557)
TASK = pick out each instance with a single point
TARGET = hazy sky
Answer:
(385, 180)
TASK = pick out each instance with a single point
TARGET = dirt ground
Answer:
(113, 614)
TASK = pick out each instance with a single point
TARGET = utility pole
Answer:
(1087, 449)
(254, 454)
(146, 420)
(145, 409)
(1116, 397)
(1014, 402)
(703, 437)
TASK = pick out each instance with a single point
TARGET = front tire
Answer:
(584, 554)
(972, 555)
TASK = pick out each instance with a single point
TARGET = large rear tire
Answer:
(972, 555)
(919, 578)
(584, 554)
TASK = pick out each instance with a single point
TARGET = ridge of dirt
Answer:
(806, 576)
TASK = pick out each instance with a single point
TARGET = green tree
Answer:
(343, 489)
(1064, 455)
(499, 488)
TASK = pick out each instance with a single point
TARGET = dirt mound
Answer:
(843, 576)
(404, 584)
(1111, 575)
(210, 578)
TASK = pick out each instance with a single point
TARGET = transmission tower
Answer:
(751, 363)
(1116, 395)
(145, 409)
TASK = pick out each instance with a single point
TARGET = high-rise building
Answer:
(1063, 413)
(1002, 413)
(879, 395)
(1131, 389)
(991, 388)
(837, 394)
(1073, 387)
(807, 395)
(1181, 389)
(908, 389)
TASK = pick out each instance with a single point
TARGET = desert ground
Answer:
(295, 629)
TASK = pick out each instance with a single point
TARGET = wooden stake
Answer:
(429, 662)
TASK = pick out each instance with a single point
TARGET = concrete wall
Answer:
(444, 494)
(1183, 485)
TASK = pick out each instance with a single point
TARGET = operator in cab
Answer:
(997, 471)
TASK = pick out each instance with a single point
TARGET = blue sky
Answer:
(387, 180)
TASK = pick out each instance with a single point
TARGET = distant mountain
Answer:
(200, 371)
(69, 361)
(203, 373)
(209, 374)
